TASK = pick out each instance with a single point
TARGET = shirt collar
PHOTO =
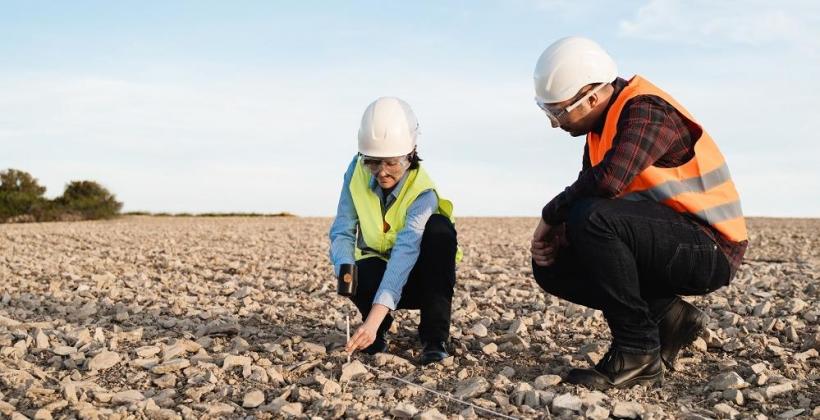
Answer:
(619, 84)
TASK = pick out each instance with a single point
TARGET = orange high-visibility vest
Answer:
(701, 187)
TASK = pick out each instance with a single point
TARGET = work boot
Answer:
(434, 351)
(379, 344)
(620, 370)
(678, 328)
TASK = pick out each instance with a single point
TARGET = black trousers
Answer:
(429, 287)
(630, 259)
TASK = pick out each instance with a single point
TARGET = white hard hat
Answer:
(568, 65)
(389, 128)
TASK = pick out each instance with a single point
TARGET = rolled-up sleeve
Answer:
(406, 250)
(343, 230)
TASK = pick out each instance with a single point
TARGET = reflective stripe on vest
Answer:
(377, 231)
(702, 186)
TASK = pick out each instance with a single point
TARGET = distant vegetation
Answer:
(22, 200)
(146, 213)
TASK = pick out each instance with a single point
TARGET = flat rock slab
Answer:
(628, 410)
(127, 397)
(171, 366)
(253, 399)
(471, 388)
(104, 360)
(404, 411)
(232, 361)
(352, 370)
(566, 402)
(546, 381)
(63, 350)
(727, 380)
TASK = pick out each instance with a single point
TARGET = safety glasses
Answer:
(556, 114)
(391, 164)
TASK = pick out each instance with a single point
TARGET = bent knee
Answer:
(439, 228)
(589, 215)
(545, 276)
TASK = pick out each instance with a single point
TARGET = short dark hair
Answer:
(414, 159)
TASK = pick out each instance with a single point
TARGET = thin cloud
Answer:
(700, 22)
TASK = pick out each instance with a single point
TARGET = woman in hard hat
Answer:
(394, 229)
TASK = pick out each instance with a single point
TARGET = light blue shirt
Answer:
(405, 252)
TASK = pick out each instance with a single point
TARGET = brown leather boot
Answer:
(620, 370)
(678, 328)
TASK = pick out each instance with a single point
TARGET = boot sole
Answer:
(436, 359)
(689, 337)
(651, 381)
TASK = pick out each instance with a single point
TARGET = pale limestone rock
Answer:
(253, 399)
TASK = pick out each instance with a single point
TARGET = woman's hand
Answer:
(363, 337)
(366, 334)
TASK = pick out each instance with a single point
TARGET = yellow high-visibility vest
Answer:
(379, 233)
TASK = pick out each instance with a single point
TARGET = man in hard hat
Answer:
(399, 232)
(653, 215)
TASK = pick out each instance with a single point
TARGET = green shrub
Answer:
(88, 200)
(47, 211)
(20, 194)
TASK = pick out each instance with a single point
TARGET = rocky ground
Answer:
(167, 318)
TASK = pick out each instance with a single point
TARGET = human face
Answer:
(559, 113)
(388, 171)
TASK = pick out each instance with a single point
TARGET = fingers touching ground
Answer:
(360, 340)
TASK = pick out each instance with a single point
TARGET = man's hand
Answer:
(366, 334)
(545, 243)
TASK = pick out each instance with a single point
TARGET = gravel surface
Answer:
(168, 318)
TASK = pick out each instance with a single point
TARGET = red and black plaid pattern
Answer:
(650, 132)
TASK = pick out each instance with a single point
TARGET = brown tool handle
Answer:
(347, 281)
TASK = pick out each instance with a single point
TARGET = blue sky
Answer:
(253, 106)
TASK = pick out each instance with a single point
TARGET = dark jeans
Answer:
(429, 286)
(630, 259)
